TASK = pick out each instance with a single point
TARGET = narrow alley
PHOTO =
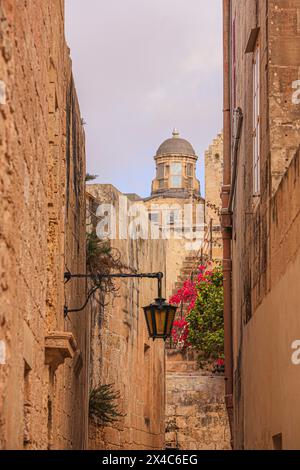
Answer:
(149, 234)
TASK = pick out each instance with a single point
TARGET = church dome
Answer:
(176, 146)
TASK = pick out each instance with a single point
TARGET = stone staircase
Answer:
(181, 362)
(196, 417)
(189, 266)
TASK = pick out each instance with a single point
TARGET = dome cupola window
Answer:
(160, 171)
(189, 170)
(176, 175)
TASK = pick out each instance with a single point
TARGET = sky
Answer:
(141, 68)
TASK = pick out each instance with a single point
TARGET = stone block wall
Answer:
(283, 23)
(264, 239)
(42, 233)
(179, 245)
(213, 185)
(121, 353)
(269, 337)
(213, 179)
(196, 417)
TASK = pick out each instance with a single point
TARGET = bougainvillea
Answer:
(219, 366)
(187, 295)
(201, 326)
(180, 333)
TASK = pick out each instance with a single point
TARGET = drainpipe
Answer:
(237, 129)
(226, 218)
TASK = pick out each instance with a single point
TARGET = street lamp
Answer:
(159, 318)
(159, 315)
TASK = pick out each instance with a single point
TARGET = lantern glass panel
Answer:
(160, 319)
(149, 320)
(170, 320)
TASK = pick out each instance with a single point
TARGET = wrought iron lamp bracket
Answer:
(68, 276)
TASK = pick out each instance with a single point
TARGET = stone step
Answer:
(191, 257)
(181, 366)
(182, 279)
(188, 268)
(193, 262)
(181, 356)
(185, 272)
(193, 267)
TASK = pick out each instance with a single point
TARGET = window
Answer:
(176, 175)
(176, 169)
(189, 169)
(175, 181)
(154, 217)
(189, 174)
(160, 171)
(256, 122)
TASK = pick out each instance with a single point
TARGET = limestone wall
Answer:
(196, 417)
(213, 185)
(213, 178)
(121, 353)
(178, 248)
(273, 329)
(42, 233)
(265, 230)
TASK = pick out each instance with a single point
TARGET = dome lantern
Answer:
(175, 168)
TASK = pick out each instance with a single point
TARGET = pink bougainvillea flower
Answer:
(187, 294)
(202, 268)
(220, 362)
(192, 297)
(180, 333)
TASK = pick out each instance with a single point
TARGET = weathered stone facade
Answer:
(213, 179)
(176, 204)
(196, 417)
(119, 339)
(213, 185)
(265, 240)
(43, 371)
(121, 352)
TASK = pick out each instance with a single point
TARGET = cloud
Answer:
(142, 67)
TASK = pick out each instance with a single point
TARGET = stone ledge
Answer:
(59, 346)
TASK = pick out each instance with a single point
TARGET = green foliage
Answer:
(89, 177)
(102, 405)
(96, 250)
(206, 324)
